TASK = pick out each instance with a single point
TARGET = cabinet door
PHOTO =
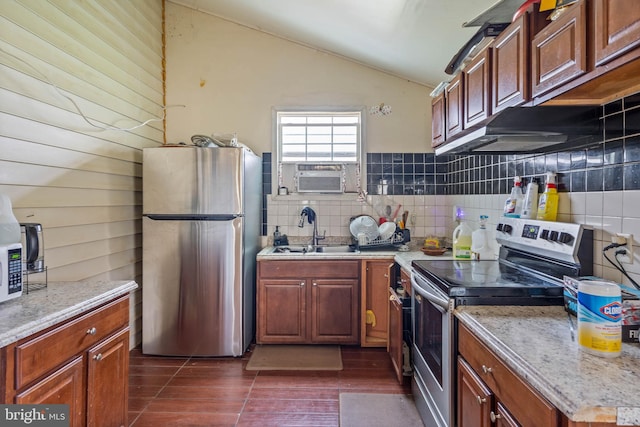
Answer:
(437, 120)
(107, 382)
(64, 386)
(617, 28)
(477, 86)
(503, 418)
(281, 311)
(394, 347)
(453, 107)
(559, 51)
(334, 311)
(375, 303)
(510, 82)
(474, 398)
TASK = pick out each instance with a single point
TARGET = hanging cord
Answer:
(618, 264)
(85, 118)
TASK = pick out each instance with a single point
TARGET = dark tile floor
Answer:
(166, 391)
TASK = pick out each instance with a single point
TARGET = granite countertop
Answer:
(57, 302)
(536, 343)
(404, 259)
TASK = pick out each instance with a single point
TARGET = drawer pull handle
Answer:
(494, 416)
(92, 331)
(481, 400)
(97, 357)
(486, 370)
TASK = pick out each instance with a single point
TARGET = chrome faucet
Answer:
(310, 216)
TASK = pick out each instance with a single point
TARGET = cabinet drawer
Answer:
(303, 269)
(524, 403)
(37, 356)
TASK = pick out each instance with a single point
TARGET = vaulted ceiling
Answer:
(412, 39)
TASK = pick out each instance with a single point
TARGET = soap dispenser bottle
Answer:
(548, 204)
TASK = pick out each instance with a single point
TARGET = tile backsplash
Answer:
(598, 186)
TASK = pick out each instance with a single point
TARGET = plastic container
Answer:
(548, 203)
(600, 318)
(530, 204)
(513, 204)
(462, 242)
(9, 225)
(481, 247)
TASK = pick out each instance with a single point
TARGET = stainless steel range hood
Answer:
(528, 130)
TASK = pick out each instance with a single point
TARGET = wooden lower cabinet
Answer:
(302, 302)
(82, 362)
(64, 386)
(489, 390)
(374, 312)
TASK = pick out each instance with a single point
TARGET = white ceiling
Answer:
(412, 39)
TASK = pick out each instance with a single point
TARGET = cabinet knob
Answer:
(315, 284)
(301, 283)
(92, 331)
(494, 416)
(481, 400)
(486, 370)
(97, 357)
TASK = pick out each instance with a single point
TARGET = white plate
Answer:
(386, 230)
(364, 224)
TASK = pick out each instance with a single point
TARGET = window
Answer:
(319, 136)
(318, 139)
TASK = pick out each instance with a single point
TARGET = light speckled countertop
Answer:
(59, 301)
(402, 258)
(536, 343)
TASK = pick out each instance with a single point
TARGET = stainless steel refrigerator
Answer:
(200, 228)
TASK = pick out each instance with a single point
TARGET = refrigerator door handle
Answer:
(194, 217)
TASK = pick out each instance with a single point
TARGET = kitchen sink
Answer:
(323, 249)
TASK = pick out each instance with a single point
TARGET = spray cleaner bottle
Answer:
(548, 204)
(513, 204)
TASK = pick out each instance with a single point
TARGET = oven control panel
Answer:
(546, 237)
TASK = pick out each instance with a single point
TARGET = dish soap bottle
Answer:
(513, 205)
(480, 244)
(548, 204)
(462, 242)
(530, 205)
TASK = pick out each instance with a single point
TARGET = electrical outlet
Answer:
(627, 239)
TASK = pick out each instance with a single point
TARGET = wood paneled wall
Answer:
(80, 177)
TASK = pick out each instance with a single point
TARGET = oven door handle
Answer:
(442, 304)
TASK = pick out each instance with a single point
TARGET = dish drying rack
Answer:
(400, 237)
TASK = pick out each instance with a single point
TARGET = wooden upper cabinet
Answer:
(559, 51)
(454, 106)
(510, 81)
(477, 89)
(617, 28)
(437, 120)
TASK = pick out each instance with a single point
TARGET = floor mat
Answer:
(384, 410)
(295, 358)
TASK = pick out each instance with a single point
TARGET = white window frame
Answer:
(276, 154)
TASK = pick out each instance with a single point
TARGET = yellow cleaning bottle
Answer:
(462, 241)
(548, 204)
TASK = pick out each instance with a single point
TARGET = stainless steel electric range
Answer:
(534, 258)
